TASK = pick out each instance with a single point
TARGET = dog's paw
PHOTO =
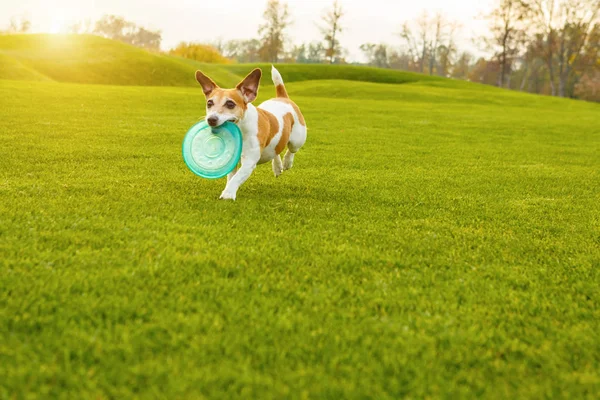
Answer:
(277, 166)
(288, 162)
(227, 195)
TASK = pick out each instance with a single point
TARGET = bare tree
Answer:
(445, 49)
(243, 51)
(425, 38)
(315, 52)
(377, 54)
(277, 19)
(445, 57)
(435, 40)
(527, 60)
(417, 39)
(507, 34)
(331, 30)
(423, 34)
(81, 27)
(412, 47)
(19, 25)
(114, 27)
(118, 28)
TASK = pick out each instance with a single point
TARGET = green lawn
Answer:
(434, 240)
(92, 59)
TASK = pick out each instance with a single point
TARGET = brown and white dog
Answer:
(266, 129)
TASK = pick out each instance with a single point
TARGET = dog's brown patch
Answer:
(296, 108)
(288, 123)
(281, 92)
(268, 126)
(237, 98)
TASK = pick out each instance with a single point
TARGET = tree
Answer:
(244, 51)
(462, 67)
(299, 54)
(117, 28)
(424, 38)
(572, 40)
(531, 65)
(19, 25)
(399, 60)
(485, 71)
(114, 27)
(316, 52)
(277, 19)
(376, 54)
(590, 57)
(331, 30)
(565, 26)
(308, 53)
(445, 56)
(507, 34)
(416, 38)
(146, 39)
(81, 27)
(588, 88)
(435, 41)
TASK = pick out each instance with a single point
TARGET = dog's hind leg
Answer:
(277, 166)
(288, 160)
(297, 140)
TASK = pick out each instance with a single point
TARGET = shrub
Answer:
(199, 52)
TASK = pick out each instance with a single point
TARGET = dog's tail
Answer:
(278, 81)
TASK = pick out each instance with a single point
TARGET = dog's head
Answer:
(228, 104)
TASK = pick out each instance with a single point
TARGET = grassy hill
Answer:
(433, 240)
(92, 59)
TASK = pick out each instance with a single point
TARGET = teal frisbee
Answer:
(212, 152)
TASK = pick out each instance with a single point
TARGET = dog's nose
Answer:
(212, 121)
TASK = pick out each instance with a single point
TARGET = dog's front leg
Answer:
(242, 174)
(232, 173)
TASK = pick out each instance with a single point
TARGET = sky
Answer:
(375, 21)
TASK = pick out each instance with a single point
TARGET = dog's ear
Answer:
(249, 86)
(207, 84)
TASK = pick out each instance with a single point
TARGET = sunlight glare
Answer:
(59, 23)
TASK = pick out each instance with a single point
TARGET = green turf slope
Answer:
(429, 243)
(11, 68)
(304, 72)
(92, 59)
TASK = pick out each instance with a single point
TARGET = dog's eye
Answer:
(210, 103)
(230, 104)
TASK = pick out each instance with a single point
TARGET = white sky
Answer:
(208, 20)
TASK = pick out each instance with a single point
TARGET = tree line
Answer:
(109, 26)
(539, 46)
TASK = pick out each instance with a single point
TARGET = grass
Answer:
(304, 72)
(432, 241)
(92, 59)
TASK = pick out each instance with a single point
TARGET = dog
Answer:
(266, 130)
